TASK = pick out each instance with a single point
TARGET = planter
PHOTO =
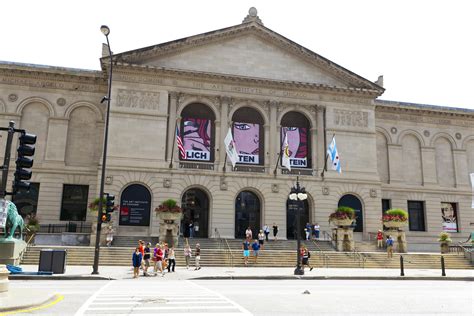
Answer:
(394, 224)
(342, 222)
(444, 247)
(174, 216)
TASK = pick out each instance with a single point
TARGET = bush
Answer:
(444, 237)
(169, 205)
(395, 215)
(343, 212)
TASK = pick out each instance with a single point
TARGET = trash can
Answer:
(52, 260)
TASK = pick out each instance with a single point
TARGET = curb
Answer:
(58, 277)
(355, 278)
(17, 308)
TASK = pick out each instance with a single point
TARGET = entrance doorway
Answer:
(353, 202)
(291, 217)
(195, 223)
(247, 214)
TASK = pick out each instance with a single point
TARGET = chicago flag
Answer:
(334, 155)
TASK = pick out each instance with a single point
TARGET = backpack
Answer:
(309, 254)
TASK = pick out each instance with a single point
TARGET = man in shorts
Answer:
(245, 248)
(256, 249)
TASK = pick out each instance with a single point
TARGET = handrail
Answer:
(222, 242)
(467, 252)
(327, 236)
(322, 254)
(360, 257)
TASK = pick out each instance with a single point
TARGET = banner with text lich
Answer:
(197, 139)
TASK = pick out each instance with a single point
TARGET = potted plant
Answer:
(444, 239)
(342, 216)
(395, 218)
(169, 209)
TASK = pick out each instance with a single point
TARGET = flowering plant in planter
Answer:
(395, 215)
(444, 237)
(342, 213)
(94, 205)
(170, 206)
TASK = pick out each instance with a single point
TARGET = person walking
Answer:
(187, 255)
(146, 259)
(379, 239)
(256, 249)
(266, 230)
(316, 231)
(307, 231)
(305, 255)
(198, 257)
(110, 235)
(141, 248)
(171, 259)
(191, 230)
(246, 251)
(275, 231)
(248, 233)
(389, 243)
(261, 238)
(165, 256)
(158, 259)
(136, 262)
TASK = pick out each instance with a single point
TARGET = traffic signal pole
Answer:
(6, 159)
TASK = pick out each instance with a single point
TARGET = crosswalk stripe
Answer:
(149, 308)
(167, 303)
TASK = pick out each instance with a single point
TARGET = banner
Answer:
(230, 148)
(197, 139)
(297, 145)
(334, 155)
(449, 216)
(285, 155)
(247, 142)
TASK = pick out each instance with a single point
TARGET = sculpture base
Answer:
(344, 237)
(3, 279)
(400, 239)
(11, 250)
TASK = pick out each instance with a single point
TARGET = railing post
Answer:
(443, 271)
(402, 272)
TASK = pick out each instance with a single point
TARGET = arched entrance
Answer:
(195, 204)
(354, 202)
(291, 217)
(247, 213)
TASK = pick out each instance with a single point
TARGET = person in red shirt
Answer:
(379, 239)
(141, 248)
(158, 258)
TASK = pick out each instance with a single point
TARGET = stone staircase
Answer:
(276, 254)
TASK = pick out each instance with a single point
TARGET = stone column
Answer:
(266, 154)
(274, 136)
(319, 153)
(172, 108)
(460, 168)
(224, 124)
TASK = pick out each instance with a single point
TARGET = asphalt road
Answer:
(158, 296)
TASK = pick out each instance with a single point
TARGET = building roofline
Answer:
(422, 106)
(47, 68)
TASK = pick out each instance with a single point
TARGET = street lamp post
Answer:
(298, 195)
(106, 31)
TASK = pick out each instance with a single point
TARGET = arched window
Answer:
(195, 204)
(247, 129)
(198, 132)
(247, 213)
(135, 204)
(353, 202)
(296, 127)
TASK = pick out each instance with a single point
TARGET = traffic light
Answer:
(105, 218)
(25, 150)
(109, 203)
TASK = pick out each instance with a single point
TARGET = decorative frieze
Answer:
(351, 118)
(422, 118)
(138, 99)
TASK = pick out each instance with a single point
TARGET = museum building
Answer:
(267, 90)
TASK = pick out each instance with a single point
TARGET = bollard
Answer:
(3, 279)
(402, 272)
(443, 270)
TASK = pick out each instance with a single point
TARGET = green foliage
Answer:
(170, 203)
(342, 212)
(444, 237)
(32, 222)
(397, 212)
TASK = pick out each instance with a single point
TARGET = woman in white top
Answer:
(171, 259)
(248, 233)
(261, 238)
(187, 254)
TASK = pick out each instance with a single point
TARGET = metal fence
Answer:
(69, 227)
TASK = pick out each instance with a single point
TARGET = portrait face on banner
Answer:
(449, 216)
(247, 142)
(297, 144)
(197, 139)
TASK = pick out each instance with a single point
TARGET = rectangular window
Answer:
(416, 215)
(27, 201)
(449, 215)
(386, 205)
(74, 202)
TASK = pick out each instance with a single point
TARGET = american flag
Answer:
(179, 142)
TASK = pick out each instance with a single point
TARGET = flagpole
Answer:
(326, 160)
(225, 162)
(174, 141)
(276, 166)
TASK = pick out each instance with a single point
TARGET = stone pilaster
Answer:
(172, 108)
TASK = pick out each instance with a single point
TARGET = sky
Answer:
(424, 49)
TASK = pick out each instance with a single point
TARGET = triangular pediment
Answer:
(247, 50)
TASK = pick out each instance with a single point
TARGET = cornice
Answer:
(442, 112)
(138, 70)
(31, 77)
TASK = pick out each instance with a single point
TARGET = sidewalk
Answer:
(120, 272)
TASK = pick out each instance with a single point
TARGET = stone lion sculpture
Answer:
(13, 219)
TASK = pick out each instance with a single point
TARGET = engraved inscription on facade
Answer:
(138, 99)
(351, 118)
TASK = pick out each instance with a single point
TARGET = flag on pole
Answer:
(285, 155)
(230, 148)
(179, 142)
(334, 155)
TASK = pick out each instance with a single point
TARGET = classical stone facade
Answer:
(394, 151)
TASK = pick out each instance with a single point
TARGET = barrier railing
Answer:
(465, 249)
(328, 237)
(69, 227)
(224, 245)
(323, 255)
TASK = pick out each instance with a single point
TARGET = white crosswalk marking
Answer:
(129, 297)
